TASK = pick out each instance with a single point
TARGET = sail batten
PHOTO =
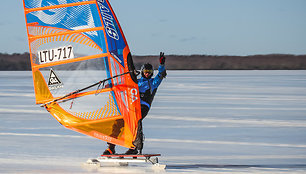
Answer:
(81, 68)
(33, 37)
(69, 61)
(29, 10)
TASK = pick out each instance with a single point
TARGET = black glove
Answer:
(162, 58)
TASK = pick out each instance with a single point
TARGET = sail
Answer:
(82, 66)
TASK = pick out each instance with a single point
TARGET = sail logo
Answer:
(51, 16)
(62, 17)
(53, 81)
(108, 21)
(134, 93)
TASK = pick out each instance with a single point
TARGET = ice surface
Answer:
(200, 121)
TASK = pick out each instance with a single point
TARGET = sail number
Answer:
(56, 54)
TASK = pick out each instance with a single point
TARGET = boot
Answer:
(131, 152)
(110, 150)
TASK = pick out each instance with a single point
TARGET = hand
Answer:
(136, 72)
(162, 58)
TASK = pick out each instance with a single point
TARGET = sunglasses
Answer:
(147, 71)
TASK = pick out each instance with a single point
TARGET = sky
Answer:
(211, 27)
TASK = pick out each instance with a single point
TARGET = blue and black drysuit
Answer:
(148, 88)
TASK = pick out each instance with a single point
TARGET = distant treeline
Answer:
(21, 62)
(206, 62)
(15, 62)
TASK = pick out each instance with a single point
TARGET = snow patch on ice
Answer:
(276, 123)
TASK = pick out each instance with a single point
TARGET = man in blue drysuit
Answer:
(147, 89)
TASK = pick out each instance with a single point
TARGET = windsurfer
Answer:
(147, 89)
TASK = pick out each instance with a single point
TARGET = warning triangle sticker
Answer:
(53, 79)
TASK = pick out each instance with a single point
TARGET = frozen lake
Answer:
(200, 121)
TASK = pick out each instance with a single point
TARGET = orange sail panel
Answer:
(82, 66)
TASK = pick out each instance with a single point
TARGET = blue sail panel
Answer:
(115, 39)
(70, 18)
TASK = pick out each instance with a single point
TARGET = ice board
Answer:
(124, 160)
